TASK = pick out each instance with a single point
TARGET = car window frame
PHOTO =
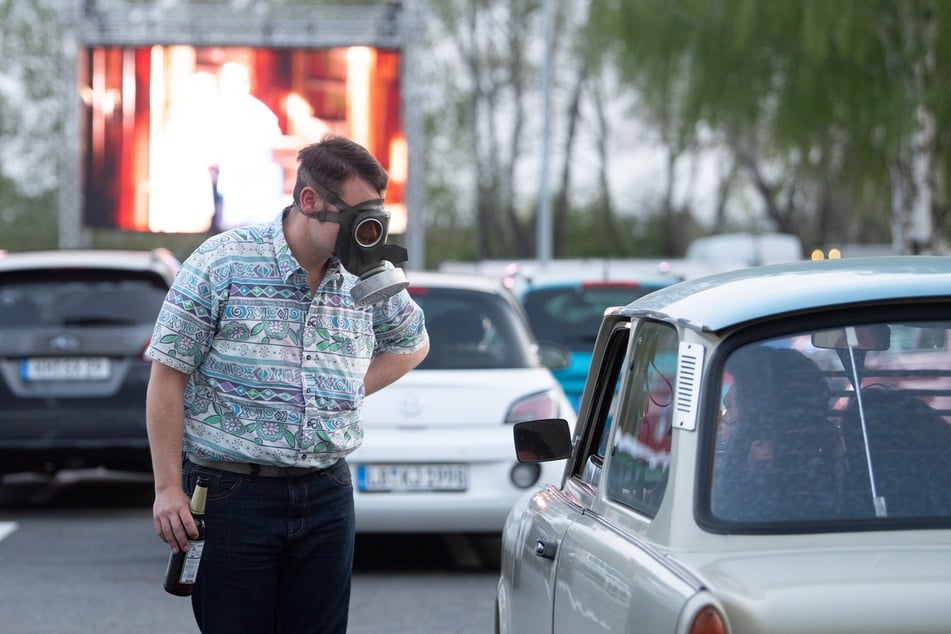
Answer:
(592, 445)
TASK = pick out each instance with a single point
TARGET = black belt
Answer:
(252, 469)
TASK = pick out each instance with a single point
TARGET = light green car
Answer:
(764, 450)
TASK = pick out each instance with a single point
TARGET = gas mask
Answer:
(361, 247)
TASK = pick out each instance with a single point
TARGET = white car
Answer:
(765, 450)
(437, 451)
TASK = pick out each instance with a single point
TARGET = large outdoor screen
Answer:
(186, 139)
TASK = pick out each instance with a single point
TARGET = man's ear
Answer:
(308, 199)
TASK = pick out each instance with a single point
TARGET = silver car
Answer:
(74, 325)
(765, 450)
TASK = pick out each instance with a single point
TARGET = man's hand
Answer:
(171, 514)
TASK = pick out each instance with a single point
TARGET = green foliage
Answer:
(825, 92)
(30, 97)
(645, 234)
(30, 125)
(181, 245)
(26, 224)
(449, 235)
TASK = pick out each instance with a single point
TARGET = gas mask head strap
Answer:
(325, 215)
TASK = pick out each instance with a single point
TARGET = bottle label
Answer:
(192, 559)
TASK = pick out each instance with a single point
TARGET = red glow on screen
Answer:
(185, 139)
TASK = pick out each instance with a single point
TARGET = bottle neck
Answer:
(199, 497)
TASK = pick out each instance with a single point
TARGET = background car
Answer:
(566, 310)
(74, 325)
(767, 450)
(437, 452)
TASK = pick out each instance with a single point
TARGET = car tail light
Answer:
(534, 407)
(708, 621)
(145, 348)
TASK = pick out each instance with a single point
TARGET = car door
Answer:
(608, 576)
(551, 512)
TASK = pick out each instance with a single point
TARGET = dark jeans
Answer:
(278, 552)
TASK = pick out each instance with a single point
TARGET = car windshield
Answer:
(570, 316)
(842, 425)
(79, 298)
(472, 330)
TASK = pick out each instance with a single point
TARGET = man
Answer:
(261, 364)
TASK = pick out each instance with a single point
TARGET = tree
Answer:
(482, 106)
(830, 108)
(486, 64)
(30, 126)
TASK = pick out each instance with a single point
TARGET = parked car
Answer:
(567, 310)
(437, 454)
(73, 327)
(765, 450)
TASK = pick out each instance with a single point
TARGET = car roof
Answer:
(484, 283)
(160, 261)
(728, 299)
(555, 280)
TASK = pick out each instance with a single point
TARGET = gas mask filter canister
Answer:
(362, 249)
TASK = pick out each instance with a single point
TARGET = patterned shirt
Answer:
(276, 371)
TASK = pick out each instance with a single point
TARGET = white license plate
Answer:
(66, 369)
(425, 477)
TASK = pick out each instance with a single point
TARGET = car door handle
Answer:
(546, 549)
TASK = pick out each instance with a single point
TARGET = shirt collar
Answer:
(287, 264)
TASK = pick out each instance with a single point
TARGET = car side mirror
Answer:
(542, 440)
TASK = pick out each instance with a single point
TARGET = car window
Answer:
(847, 424)
(471, 330)
(640, 449)
(571, 316)
(917, 338)
(605, 403)
(73, 298)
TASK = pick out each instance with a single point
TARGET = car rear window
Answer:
(73, 297)
(471, 330)
(571, 316)
(848, 424)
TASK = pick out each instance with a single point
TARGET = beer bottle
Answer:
(183, 566)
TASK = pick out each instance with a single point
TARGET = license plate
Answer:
(65, 369)
(399, 478)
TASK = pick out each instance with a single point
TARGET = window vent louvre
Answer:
(689, 369)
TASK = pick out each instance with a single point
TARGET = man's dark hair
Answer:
(333, 161)
(767, 376)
